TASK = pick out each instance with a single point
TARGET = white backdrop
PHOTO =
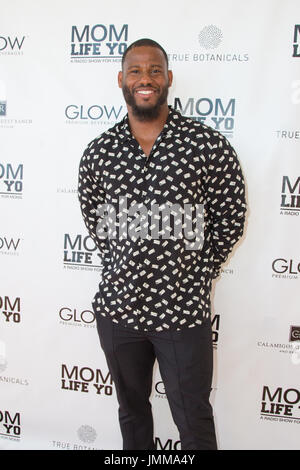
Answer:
(236, 67)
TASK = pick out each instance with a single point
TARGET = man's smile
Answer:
(145, 91)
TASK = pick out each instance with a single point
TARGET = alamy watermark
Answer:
(166, 221)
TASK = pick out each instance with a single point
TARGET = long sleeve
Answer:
(226, 201)
(90, 195)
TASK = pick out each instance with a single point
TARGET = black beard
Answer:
(141, 113)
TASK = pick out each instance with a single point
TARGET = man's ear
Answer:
(120, 78)
(170, 76)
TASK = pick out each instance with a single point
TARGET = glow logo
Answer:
(11, 45)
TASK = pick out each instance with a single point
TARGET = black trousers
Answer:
(185, 360)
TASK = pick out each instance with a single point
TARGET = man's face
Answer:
(145, 81)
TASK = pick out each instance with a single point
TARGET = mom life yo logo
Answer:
(80, 252)
(280, 404)
(86, 379)
(99, 41)
(296, 41)
(10, 309)
(93, 114)
(290, 195)
(10, 424)
(11, 180)
(168, 445)
(218, 113)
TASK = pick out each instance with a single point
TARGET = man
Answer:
(154, 296)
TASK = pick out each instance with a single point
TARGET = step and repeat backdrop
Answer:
(236, 68)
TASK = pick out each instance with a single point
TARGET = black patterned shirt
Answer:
(155, 280)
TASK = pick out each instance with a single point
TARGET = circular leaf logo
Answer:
(87, 433)
(210, 37)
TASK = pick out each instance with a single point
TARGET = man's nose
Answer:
(145, 78)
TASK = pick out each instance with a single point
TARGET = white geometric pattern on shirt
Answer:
(156, 284)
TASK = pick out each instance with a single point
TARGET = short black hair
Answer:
(145, 42)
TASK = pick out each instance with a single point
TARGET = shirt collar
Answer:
(172, 124)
